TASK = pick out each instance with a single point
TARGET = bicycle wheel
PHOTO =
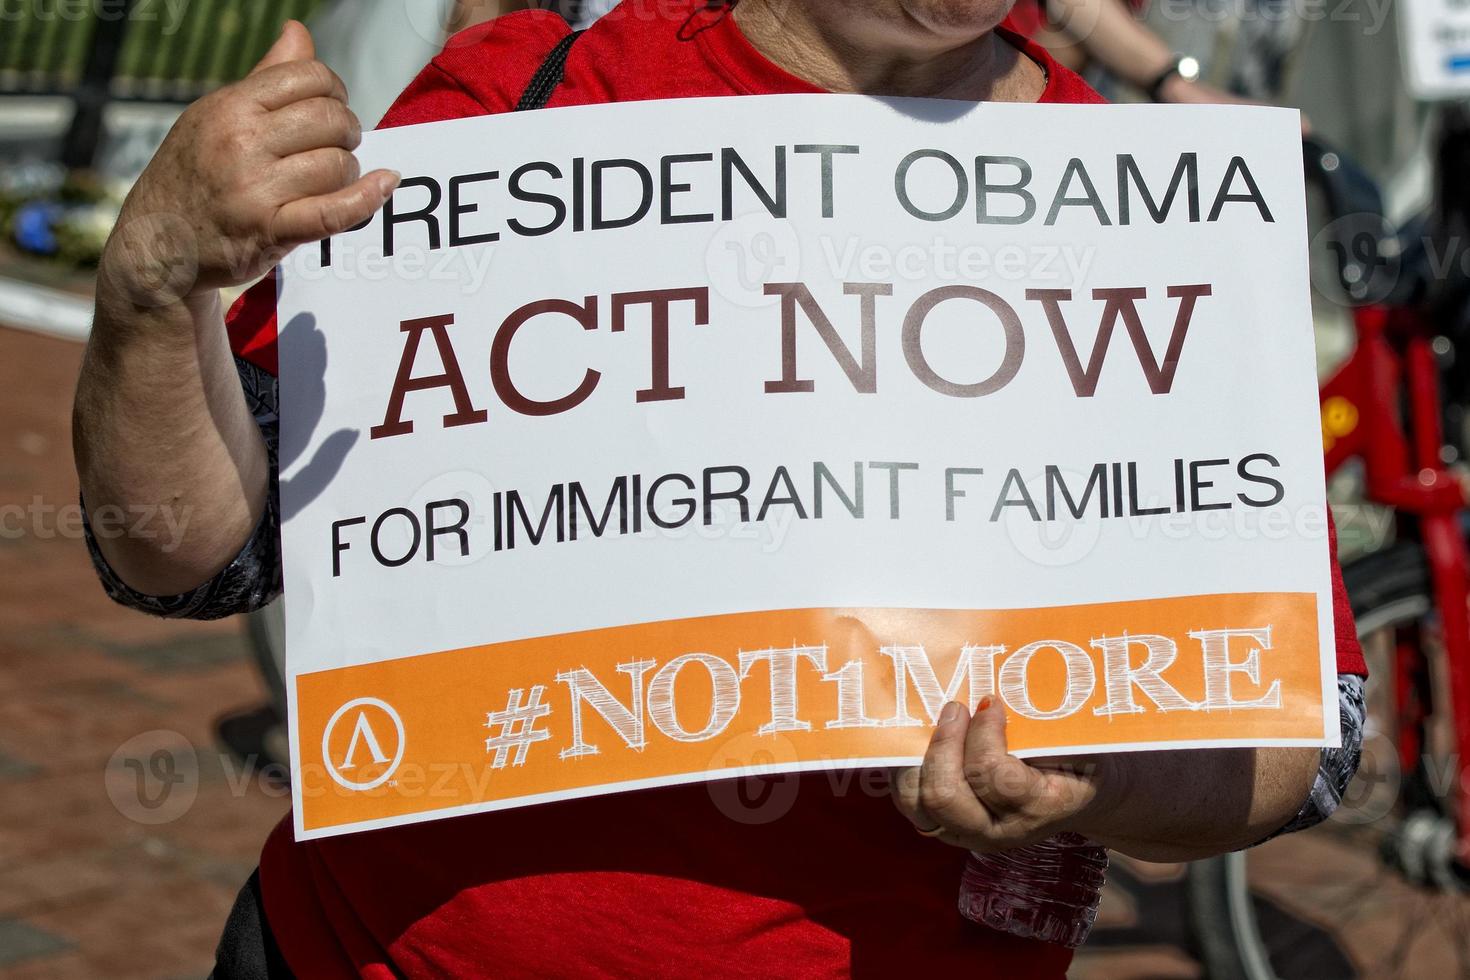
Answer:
(1374, 892)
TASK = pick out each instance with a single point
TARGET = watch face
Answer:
(1189, 68)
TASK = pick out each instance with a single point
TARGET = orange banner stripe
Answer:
(492, 724)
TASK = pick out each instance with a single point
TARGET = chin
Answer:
(957, 18)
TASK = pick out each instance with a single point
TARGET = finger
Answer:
(998, 779)
(313, 173)
(294, 44)
(985, 738)
(314, 218)
(313, 123)
(903, 786)
(281, 85)
(943, 791)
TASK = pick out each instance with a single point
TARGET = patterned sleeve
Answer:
(253, 578)
(1337, 766)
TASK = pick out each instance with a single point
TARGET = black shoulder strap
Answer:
(548, 76)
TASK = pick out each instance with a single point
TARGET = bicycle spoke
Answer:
(1344, 886)
(1400, 954)
(1462, 936)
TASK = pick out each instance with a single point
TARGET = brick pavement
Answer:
(85, 889)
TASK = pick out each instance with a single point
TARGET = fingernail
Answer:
(950, 713)
(984, 703)
(388, 181)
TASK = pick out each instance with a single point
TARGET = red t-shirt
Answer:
(812, 875)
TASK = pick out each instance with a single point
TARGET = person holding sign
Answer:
(811, 874)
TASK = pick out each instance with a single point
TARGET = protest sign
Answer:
(1435, 39)
(643, 444)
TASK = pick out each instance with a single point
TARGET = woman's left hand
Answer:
(972, 793)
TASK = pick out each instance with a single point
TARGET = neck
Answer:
(833, 46)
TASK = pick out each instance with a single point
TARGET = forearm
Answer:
(1114, 38)
(1192, 804)
(161, 424)
(162, 431)
(468, 13)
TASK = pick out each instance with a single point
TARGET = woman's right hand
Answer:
(247, 173)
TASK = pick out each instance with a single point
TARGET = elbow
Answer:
(248, 581)
(1292, 776)
(1248, 803)
(1283, 790)
(151, 550)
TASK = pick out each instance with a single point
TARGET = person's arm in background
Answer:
(160, 420)
(468, 13)
(1109, 33)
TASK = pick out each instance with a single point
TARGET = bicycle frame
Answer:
(1393, 373)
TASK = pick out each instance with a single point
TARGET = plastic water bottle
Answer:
(1048, 891)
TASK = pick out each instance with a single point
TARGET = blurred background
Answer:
(140, 759)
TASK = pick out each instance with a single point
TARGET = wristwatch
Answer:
(1183, 65)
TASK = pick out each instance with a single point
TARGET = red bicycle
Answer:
(1332, 902)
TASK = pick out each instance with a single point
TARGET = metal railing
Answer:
(97, 51)
(171, 51)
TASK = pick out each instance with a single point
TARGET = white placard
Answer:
(654, 442)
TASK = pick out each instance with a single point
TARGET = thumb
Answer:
(294, 44)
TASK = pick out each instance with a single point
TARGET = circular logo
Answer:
(1356, 259)
(749, 252)
(153, 778)
(1055, 544)
(749, 792)
(362, 744)
(456, 507)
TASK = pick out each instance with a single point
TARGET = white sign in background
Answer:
(1435, 40)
